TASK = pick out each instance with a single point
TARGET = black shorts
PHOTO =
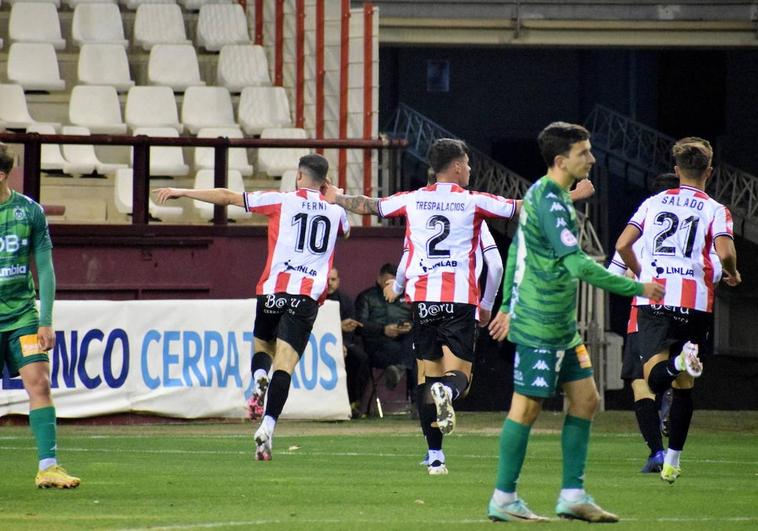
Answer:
(670, 327)
(444, 323)
(286, 317)
(631, 364)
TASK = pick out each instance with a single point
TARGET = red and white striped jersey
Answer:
(443, 224)
(302, 231)
(678, 229)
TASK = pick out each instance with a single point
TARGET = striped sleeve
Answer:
(261, 202)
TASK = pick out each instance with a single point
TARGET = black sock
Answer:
(648, 422)
(428, 415)
(680, 418)
(457, 381)
(278, 389)
(260, 360)
(661, 376)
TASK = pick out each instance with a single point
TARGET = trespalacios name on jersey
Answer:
(441, 206)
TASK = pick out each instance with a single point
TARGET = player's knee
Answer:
(37, 385)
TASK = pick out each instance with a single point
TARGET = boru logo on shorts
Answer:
(433, 310)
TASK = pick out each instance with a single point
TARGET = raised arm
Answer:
(359, 204)
(216, 196)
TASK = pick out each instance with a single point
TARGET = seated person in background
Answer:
(356, 359)
(386, 328)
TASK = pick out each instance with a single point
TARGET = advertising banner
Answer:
(177, 358)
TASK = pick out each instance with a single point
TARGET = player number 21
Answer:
(671, 221)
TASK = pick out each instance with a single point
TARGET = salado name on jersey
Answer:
(302, 231)
(678, 229)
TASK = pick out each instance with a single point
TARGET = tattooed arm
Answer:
(360, 204)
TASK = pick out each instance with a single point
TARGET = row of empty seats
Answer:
(34, 66)
(189, 5)
(98, 108)
(154, 23)
(75, 159)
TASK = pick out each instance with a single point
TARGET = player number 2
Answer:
(672, 225)
(315, 231)
(442, 227)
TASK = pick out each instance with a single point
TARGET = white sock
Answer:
(269, 423)
(672, 457)
(679, 363)
(436, 455)
(47, 463)
(504, 498)
(572, 495)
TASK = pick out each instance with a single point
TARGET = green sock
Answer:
(575, 439)
(513, 440)
(42, 422)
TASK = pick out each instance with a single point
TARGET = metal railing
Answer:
(487, 175)
(649, 151)
(141, 144)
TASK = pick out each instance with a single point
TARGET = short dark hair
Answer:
(444, 151)
(662, 182)
(693, 155)
(388, 269)
(315, 165)
(6, 158)
(557, 139)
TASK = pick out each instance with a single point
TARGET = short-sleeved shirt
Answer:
(543, 297)
(678, 230)
(24, 232)
(443, 225)
(302, 232)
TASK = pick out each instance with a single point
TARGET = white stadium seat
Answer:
(34, 66)
(207, 107)
(73, 3)
(175, 66)
(51, 158)
(152, 107)
(242, 65)
(56, 3)
(262, 108)
(204, 179)
(84, 154)
(221, 24)
(237, 159)
(97, 24)
(96, 108)
(14, 113)
(134, 4)
(159, 24)
(104, 64)
(35, 22)
(124, 200)
(276, 161)
(164, 160)
(287, 183)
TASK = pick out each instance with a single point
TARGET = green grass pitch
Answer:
(365, 475)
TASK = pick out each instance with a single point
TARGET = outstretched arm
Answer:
(217, 196)
(360, 204)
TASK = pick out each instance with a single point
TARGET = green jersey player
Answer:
(539, 316)
(25, 335)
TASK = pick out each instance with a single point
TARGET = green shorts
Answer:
(538, 371)
(20, 348)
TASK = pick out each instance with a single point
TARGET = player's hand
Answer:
(732, 280)
(164, 194)
(349, 325)
(484, 317)
(653, 291)
(331, 193)
(389, 293)
(583, 190)
(499, 326)
(46, 337)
